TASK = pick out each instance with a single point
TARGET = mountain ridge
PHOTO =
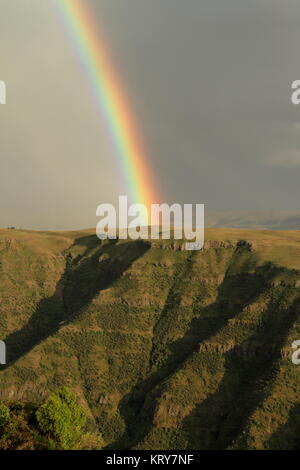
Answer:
(157, 342)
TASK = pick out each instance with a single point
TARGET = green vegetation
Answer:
(62, 418)
(4, 415)
(58, 423)
(164, 348)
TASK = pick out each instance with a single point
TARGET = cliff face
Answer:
(168, 349)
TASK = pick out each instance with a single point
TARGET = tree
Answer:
(62, 418)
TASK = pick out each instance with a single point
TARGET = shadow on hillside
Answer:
(287, 437)
(84, 277)
(236, 291)
(218, 422)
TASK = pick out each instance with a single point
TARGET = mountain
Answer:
(258, 220)
(165, 348)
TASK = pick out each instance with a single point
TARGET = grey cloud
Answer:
(209, 81)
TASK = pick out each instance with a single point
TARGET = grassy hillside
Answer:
(167, 349)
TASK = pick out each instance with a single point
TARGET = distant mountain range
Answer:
(263, 220)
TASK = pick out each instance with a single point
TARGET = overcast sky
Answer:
(208, 80)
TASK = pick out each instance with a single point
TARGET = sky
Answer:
(208, 81)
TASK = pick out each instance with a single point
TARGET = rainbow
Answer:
(125, 135)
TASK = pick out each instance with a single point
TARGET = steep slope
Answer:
(166, 348)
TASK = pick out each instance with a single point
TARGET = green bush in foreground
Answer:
(62, 418)
(59, 423)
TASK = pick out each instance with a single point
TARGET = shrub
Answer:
(62, 418)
